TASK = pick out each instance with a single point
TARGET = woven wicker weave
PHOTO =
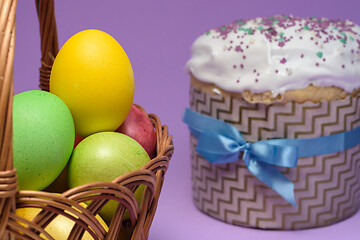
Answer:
(98, 194)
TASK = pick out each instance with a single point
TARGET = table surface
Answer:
(157, 36)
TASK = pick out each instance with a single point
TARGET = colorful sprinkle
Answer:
(274, 30)
(319, 54)
(248, 30)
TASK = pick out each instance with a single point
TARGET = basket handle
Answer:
(49, 39)
(8, 183)
(49, 49)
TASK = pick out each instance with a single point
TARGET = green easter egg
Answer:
(102, 157)
(43, 138)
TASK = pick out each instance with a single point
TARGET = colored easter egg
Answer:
(138, 126)
(43, 138)
(61, 226)
(103, 157)
(93, 75)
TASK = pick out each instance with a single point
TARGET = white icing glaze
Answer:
(278, 54)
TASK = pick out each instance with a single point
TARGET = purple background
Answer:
(157, 36)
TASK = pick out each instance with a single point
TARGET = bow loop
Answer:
(217, 148)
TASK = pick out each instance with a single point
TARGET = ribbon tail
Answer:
(272, 177)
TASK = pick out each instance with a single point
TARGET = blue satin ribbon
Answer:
(220, 142)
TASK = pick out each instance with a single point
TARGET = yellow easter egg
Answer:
(93, 75)
(61, 226)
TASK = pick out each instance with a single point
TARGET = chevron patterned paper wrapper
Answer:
(327, 187)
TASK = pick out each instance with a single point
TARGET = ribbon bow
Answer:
(219, 142)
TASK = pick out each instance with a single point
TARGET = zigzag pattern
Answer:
(259, 121)
(327, 187)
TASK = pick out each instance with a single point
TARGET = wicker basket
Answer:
(68, 203)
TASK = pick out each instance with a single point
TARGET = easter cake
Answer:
(279, 77)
